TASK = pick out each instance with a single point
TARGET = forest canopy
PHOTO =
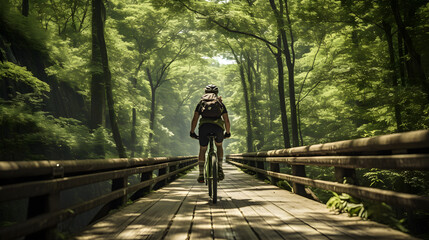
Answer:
(291, 73)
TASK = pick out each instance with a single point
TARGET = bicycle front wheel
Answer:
(215, 175)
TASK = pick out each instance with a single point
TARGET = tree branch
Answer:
(225, 27)
(306, 75)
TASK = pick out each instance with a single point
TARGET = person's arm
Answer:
(194, 121)
(227, 123)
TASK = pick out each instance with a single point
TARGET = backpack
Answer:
(211, 106)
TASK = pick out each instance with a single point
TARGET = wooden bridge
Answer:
(247, 208)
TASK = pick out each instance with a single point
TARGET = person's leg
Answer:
(203, 131)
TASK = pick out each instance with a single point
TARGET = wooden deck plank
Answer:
(182, 221)
(252, 212)
(110, 226)
(201, 225)
(316, 229)
(114, 224)
(285, 224)
(154, 222)
(221, 224)
(247, 209)
(240, 228)
(316, 215)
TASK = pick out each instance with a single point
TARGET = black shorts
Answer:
(207, 128)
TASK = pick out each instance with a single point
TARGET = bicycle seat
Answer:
(212, 134)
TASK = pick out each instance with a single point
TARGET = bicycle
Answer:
(211, 168)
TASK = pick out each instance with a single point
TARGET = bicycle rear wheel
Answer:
(215, 177)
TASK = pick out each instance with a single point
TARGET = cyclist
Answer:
(217, 125)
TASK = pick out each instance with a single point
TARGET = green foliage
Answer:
(284, 185)
(379, 212)
(400, 181)
(348, 204)
(23, 31)
(69, 64)
(37, 136)
(20, 75)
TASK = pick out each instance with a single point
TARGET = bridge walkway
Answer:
(247, 209)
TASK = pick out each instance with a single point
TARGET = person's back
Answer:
(214, 119)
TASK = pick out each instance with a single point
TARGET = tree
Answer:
(416, 71)
(25, 7)
(102, 78)
(240, 63)
(289, 52)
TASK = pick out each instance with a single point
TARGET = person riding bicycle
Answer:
(218, 124)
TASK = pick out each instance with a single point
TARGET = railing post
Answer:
(251, 163)
(299, 170)
(346, 173)
(274, 167)
(45, 204)
(140, 193)
(161, 183)
(117, 184)
(260, 165)
(172, 169)
(40, 205)
(147, 176)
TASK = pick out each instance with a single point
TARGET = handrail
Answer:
(41, 182)
(404, 151)
(18, 169)
(402, 161)
(398, 142)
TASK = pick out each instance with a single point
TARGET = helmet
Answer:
(211, 89)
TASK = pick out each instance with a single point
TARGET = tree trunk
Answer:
(415, 56)
(98, 98)
(270, 94)
(393, 75)
(281, 89)
(25, 8)
(290, 61)
(133, 137)
(98, 10)
(253, 103)
(112, 116)
(152, 111)
(249, 137)
(97, 82)
(133, 132)
(257, 117)
(290, 64)
(292, 102)
(401, 55)
(151, 121)
(134, 113)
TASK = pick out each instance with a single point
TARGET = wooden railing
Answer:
(41, 183)
(403, 151)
